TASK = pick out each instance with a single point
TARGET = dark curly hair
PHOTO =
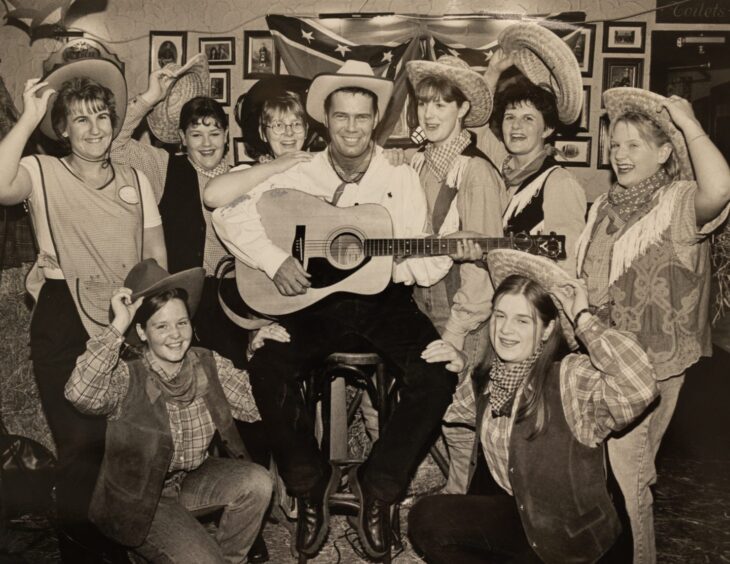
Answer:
(519, 92)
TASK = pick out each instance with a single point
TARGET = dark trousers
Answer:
(57, 338)
(391, 323)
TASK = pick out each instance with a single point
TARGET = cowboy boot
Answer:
(373, 518)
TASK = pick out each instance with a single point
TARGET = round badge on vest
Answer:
(128, 195)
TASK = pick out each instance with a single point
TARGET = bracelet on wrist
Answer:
(576, 319)
(696, 137)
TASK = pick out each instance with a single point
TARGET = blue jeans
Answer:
(632, 457)
(243, 489)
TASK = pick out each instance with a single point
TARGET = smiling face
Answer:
(205, 142)
(168, 334)
(291, 139)
(515, 329)
(350, 121)
(89, 130)
(523, 130)
(635, 157)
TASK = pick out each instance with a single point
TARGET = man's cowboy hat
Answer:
(353, 74)
(547, 61)
(619, 101)
(84, 58)
(148, 278)
(191, 80)
(470, 82)
(502, 263)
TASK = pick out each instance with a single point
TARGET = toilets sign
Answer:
(693, 11)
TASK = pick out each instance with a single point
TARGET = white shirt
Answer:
(395, 188)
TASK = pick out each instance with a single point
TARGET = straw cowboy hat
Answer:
(192, 80)
(621, 100)
(353, 74)
(84, 58)
(502, 263)
(547, 61)
(148, 278)
(470, 82)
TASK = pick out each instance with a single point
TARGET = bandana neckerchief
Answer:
(515, 176)
(182, 388)
(625, 202)
(504, 382)
(441, 159)
(220, 168)
(356, 168)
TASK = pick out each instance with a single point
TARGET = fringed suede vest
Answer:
(138, 452)
(182, 216)
(528, 216)
(559, 485)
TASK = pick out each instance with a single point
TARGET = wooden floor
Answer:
(692, 497)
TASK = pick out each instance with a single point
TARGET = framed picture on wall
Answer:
(584, 48)
(219, 50)
(260, 58)
(622, 72)
(239, 152)
(603, 144)
(401, 134)
(624, 37)
(220, 86)
(576, 151)
(167, 47)
(584, 122)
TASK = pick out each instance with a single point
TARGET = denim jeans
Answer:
(632, 455)
(243, 489)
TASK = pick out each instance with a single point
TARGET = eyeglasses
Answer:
(279, 127)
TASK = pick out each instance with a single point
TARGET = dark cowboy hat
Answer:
(148, 278)
(84, 58)
(248, 110)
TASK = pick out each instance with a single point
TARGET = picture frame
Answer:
(624, 37)
(584, 49)
(401, 134)
(239, 152)
(622, 72)
(260, 56)
(584, 121)
(167, 47)
(604, 161)
(219, 50)
(577, 151)
(220, 86)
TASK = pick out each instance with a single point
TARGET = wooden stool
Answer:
(328, 385)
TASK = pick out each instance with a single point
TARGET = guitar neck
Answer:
(430, 246)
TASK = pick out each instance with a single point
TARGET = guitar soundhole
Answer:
(346, 251)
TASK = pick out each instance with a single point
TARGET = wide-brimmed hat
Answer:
(148, 278)
(84, 58)
(619, 101)
(353, 74)
(547, 61)
(248, 110)
(470, 82)
(192, 80)
(502, 263)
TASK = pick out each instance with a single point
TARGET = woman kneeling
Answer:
(163, 403)
(541, 421)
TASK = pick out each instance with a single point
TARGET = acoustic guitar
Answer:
(348, 249)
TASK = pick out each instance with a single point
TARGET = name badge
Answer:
(128, 195)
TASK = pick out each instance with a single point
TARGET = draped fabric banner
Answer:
(310, 46)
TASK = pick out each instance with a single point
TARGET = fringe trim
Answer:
(453, 178)
(581, 244)
(520, 200)
(647, 231)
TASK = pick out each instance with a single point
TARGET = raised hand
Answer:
(442, 351)
(500, 61)
(291, 279)
(285, 162)
(34, 105)
(159, 83)
(681, 112)
(123, 309)
(573, 296)
(395, 156)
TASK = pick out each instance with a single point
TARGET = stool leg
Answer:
(338, 420)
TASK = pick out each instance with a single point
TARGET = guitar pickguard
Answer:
(324, 274)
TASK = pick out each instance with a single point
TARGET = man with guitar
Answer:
(350, 172)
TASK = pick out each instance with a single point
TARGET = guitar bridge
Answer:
(297, 248)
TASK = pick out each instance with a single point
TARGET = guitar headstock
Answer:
(550, 246)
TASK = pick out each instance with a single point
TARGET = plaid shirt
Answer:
(99, 384)
(602, 392)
